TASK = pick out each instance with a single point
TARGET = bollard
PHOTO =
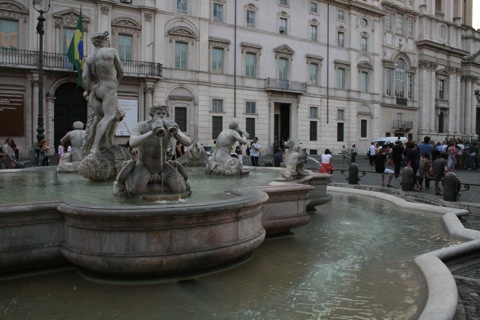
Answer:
(450, 187)
(353, 174)
(407, 179)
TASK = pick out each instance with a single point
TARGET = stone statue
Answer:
(294, 160)
(101, 74)
(221, 162)
(71, 160)
(194, 156)
(153, 175)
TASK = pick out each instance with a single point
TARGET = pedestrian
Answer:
(255, 148)
(381, 160)
(424, 170)
(353, 154)
(345, 155)
(371, 153)
(439, 167)
(397, 156)
(326, 164)
(278, 157)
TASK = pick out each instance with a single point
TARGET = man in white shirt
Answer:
(255, 151)
(371, 153)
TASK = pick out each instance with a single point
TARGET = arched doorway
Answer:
(70, 106)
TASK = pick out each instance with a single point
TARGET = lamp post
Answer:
(40, 30)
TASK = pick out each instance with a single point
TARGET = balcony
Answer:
(402, 101)
(400, 125)
(28, 59)
(285, 86)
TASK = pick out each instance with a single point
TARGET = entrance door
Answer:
(281, 123)
(70, 106)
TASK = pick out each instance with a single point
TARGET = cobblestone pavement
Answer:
(466, 273)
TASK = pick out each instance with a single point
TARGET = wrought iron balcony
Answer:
(285, 85)
(402, 101)
(28, 59)
(402, 125)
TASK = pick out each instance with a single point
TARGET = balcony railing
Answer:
(58, 61)
(402, 125)
(285, 85)
(402, 101)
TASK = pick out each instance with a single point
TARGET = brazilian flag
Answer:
(75, 51)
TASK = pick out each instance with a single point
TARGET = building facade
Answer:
(326, 72)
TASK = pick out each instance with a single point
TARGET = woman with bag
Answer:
(425, 166)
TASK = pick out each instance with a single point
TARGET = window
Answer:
(125, 47)
(341, 15)
(283, 69)
(217, 60)
(217, 105)
(67, 39)
(283, 26)
(181, 55)
(313, 33)
(313, 112)
(313, 130)
(250, 64)
(250, 107)
(364, 44)
(410, 85)
(363, 128)
(217, 126)
(441, 89)
(340, 114)
(341, 72)
(438, 6)
(400, 79)
(389, 85)
(217, 11)
(250, 126)
(9, 34)
(182, 6)
(313, 68)
(313, 7)
(388, 20)
(251, 19)
(284, 2)
(341, 39)
(410, 26)
(340, 131)
(364, 79)
(400, 23)
(364, 22)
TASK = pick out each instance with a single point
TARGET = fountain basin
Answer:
(147, 241)
(140, 240)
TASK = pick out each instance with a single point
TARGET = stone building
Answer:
(327, 72)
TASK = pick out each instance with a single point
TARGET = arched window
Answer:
(400, 82)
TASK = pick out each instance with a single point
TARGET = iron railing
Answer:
(403, 125)
(58, 61)
(285, 85)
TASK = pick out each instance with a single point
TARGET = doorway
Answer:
(69, 106)
(281, 124)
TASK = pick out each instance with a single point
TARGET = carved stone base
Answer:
(104, 165)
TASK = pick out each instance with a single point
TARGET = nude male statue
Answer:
(152, 168)
(225, 141)
(101, 74)
(75, 137)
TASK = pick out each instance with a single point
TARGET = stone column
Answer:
(468, 106)
(148, 90)
(453, 95)
(49, 124)
(424, 97)
(458, 105)
(433, 94)
(473, 109)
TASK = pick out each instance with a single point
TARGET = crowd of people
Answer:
(428, 160)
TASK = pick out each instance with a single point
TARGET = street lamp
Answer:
(40, 30)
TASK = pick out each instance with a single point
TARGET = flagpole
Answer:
(41, 31)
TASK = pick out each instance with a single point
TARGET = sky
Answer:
(476, 14)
